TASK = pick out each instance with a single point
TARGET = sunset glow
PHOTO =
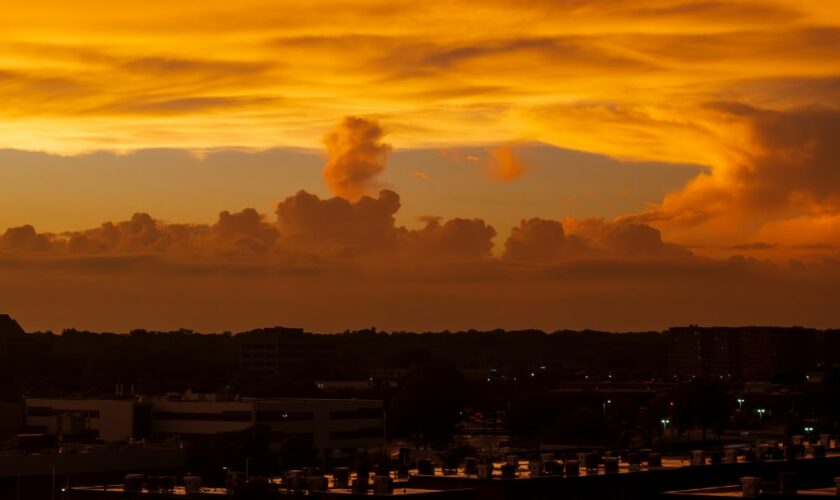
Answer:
(495, 163)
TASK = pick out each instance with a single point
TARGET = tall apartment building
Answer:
(741, 353)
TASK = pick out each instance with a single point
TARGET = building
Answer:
(11, 417)
(702, 352)
(328, 424)
(259, 355)
(344, 386)
(393, 376)
(268, 353)
(390, 376)
(742, 353)
(107, 420)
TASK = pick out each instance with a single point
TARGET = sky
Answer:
(342, 164)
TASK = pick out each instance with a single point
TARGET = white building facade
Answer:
(328, 423)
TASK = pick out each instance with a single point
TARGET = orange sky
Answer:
(712, 122)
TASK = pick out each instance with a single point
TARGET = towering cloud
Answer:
(356, 156)
(774, 166)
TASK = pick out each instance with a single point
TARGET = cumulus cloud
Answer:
(305, 220)
(245, 232)
(24, 238)
(621, 238)
(455, 237)
(354, 256)
(541, 240)
(140, 234)
(356, 156)
(336, 226)
(536, 240)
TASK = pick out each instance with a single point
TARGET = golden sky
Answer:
(711, 122)
(92, 75)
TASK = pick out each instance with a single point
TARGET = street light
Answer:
(665, 422)
(607, 402)
(740, 403)
(760, 412)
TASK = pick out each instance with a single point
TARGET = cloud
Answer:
(356, 156)
(119, 293)
(140, 234)
(24, 238)
(182, 106)
(456, 237)
(502, 163)
(541, 240)
(537, 240)
(758, 245)
(338, 227)
(505, 166)
(433, 67)
(306, 221)
(244, 233)
(775, 165)
(246, 270)
(622, 238)
(240, 235)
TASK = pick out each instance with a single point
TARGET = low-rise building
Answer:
(101, 419)
(329, 424)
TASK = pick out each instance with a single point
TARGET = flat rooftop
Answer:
(734, 491)
(179, 491)
(117, 489)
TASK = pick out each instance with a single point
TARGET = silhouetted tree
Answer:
(427, 404)
(703, 403)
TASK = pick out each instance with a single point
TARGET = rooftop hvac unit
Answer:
(192, 484)
(383, 485)
(341, 477)
(360, 485)
(535, 467)
(470, 466)
(133, 483)
(424, 467)
(316, 484)
(485, 469)
(402, 471)
(698, 457)
(295, 479)
(508, 471)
